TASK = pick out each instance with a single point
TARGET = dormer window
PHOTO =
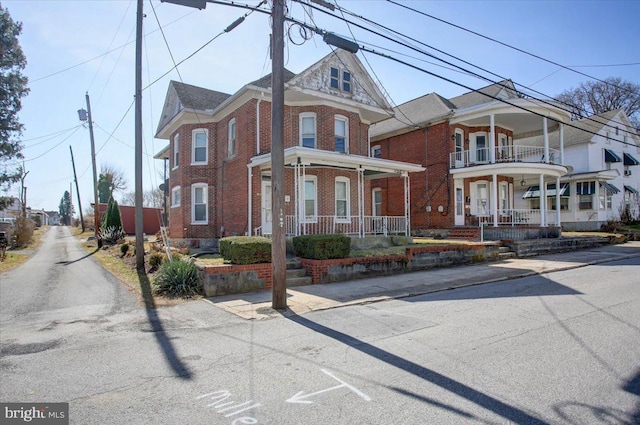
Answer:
(340, 80)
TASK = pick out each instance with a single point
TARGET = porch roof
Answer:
(373, 167)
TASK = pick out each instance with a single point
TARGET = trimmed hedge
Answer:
(245, 249)
(322, 247)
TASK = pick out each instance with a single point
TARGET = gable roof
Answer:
(182, 96)
(265, 82)
(504, 89)
(413, 114)
(198, 98)
(364, 91)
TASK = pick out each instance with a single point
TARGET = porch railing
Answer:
(469, 158)
(328, 224)
(519, 217)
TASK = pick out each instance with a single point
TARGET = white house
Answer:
(603, 182)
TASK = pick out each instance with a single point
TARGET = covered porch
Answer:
(316, 191)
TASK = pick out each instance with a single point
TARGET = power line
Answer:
(573, 107)
(103, 54)
(502, 43)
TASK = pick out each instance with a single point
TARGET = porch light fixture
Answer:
(523, 182)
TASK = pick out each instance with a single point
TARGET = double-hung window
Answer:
(176, 150)
(310, 199)
(308, 129)
(343, 212)
(585, 192)
(199, 151)
(199, 203)
(341, 130)
(175, 196)
(231, 142)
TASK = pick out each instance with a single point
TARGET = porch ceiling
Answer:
(373, 167)
(519, 123)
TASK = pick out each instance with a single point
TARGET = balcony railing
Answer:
(481, 156)
(329, 224)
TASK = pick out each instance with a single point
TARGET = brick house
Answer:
(473, 163)
(220, 163)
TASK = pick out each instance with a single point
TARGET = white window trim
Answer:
(315, 127)
(474, 146)
(205, 193)
(373, 149)
(231, 141)
(176, 151)
(193, 146)
(346, 131)
(347, 218)
(373, 201)
(314, 218)
(175, 190)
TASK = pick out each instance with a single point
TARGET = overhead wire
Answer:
(571, 107)
(447, 62)
(103, 54)
(501, 43)
(362, 47)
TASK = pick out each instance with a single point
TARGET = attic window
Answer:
(340, 80)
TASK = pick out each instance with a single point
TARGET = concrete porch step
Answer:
(296, 275)
(505, 252)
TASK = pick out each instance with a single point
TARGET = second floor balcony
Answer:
(503, 154)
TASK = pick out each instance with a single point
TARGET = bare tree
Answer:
(128, 199)
(111, 180)
(596, 97)
(150, 198)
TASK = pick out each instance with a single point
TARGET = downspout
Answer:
(258, 124)
(250, 201)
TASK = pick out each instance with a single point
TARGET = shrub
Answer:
(322, 247)
(111, 225)
(156, 259)
(246, 249)
(124, 248)
(23, 231)
(177, 278)
(112, 234)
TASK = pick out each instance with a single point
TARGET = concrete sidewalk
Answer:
(300, 300)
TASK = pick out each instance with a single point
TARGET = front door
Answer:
(267, 216)
(459, 203)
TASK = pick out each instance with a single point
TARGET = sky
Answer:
(74, 47)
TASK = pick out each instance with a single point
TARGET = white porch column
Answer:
(543, 202)
(301, 217)
(407, 204)
(561, 130)
(492, 136)
(296, 199)
(361, 202)
(545, 131)
(558, 201)
(249, 201)
(494, 199)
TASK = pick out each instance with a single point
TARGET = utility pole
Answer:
(278, 242)
(23, 191)
(75, 179)
(86, 116)
(138, 143)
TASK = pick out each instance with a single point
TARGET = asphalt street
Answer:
(556, 348)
